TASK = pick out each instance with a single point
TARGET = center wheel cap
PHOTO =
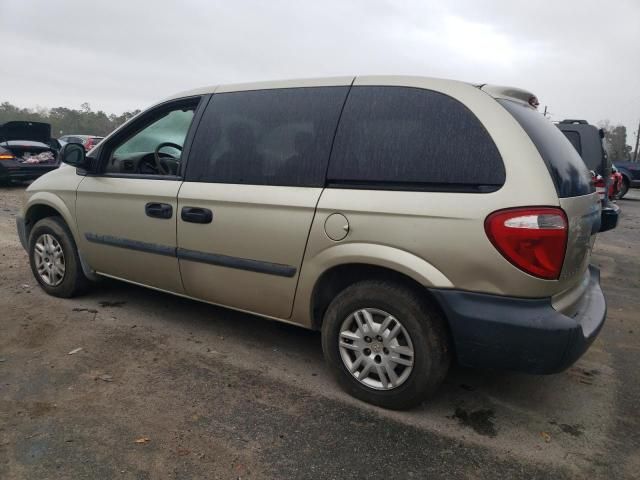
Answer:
(376, 347)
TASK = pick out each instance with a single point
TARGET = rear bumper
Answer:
(527, 335)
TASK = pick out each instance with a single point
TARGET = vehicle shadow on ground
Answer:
(299, 350)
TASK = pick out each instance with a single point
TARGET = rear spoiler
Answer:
(511, 93)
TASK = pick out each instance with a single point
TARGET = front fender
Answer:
(377, 255)
(57, 203)
(57, 190)
(65, 206)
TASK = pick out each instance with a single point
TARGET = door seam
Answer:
(315, 209)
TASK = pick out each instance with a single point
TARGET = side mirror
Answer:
(73, 154)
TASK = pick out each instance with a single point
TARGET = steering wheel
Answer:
(156, 156)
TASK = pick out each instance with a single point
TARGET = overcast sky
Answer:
(581, 57)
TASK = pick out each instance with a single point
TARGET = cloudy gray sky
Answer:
(581, 57)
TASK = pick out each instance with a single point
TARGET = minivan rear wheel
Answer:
(54, 259)
(385, 344)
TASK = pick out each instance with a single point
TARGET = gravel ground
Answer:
(165, 387)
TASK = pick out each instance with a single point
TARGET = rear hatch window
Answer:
(574, 138)
(568, 172)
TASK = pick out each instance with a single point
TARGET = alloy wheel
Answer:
(376, 348)
(49, 260)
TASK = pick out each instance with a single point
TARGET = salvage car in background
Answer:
(27, 151)
(87, 141)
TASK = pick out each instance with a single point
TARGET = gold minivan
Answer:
(413, 221)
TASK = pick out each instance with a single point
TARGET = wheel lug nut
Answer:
(379, 338)
(367, 339)
(385, 350)
(367, 351)
(377, 359)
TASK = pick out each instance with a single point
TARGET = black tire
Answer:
(74, 282)
(624, 189)
(424, 325)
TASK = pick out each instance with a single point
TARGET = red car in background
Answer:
(88, 141)
(615, 184)
(617, 180)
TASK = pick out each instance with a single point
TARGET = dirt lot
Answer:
(168, 388)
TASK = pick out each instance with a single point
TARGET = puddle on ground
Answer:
(482, 421)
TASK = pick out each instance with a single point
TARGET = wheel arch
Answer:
(42, 205)
(335, 279)
(333, 269)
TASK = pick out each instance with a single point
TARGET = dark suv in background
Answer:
(588, 141)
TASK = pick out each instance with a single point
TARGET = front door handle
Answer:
(196, 215)
(158, 210)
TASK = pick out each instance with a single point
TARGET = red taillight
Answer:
(598, 182)
(532, 239)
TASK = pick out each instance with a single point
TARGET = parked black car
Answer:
(630, 172)
(27, 151)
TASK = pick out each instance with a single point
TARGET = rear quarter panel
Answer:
(441, 233)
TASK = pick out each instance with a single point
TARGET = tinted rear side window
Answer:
(267, 137)
(568, 171)
(410, 137)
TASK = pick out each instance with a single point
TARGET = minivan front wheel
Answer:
(385, 344)
(54, 259)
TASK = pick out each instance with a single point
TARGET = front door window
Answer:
(156, 149)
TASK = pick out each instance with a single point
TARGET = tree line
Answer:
(615, 139)
(64, 121)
